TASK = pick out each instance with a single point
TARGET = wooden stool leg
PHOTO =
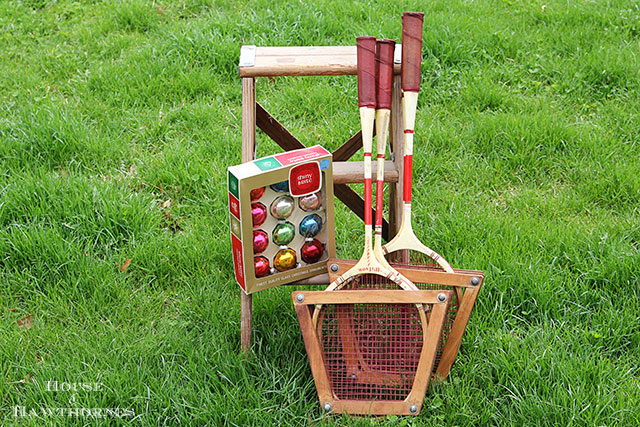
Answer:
(246, 315)
(396, 141)
(248, 154)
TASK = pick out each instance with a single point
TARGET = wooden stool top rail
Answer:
(272, 61)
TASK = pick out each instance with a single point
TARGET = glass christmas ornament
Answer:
(310, 225)
(261, 266)
(256, 193)
(258, 213)
(312, 251)
(280, 187)
(284, 233)
(282, 207)
(285, 259)
(260, 241)
(311, 202)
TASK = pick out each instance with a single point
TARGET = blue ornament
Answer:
(310, 225)
(280, 187)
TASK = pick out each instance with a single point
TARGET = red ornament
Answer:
(261, 265)
(256, 193)
(259, 213)
(260, 241)
(312, 251)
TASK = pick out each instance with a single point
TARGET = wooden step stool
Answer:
(316, 61)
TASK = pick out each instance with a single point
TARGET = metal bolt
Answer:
(328, 407)
(413, 409)
(300, 298)
(475, 281)
(334, 268)
(442, 297)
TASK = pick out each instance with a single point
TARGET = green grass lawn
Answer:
(527, 167)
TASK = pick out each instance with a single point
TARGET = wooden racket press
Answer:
(316, 61)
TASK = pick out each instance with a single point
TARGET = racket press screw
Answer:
(300, 298)
(475, 281)
(328, 407)
(334, 268)
(413, 409)
(442, 298)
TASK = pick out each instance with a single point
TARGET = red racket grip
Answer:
(384, 72)
(366, 57)
(411, 50)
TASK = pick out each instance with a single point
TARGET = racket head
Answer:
(424, 260)
(368, 274)
(406, 248)
(464, 286)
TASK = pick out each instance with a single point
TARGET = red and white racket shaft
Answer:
(366, 57)
(409, 106)
(410, 75)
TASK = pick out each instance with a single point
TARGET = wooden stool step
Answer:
(353, 172)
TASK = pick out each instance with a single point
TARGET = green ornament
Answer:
(284, 233)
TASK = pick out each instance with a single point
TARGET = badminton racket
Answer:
(405, 239)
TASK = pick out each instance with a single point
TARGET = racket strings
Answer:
(369, 282)
(371, 351)
(411, 258)
(415, 259)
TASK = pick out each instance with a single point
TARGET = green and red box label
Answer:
(238, 266)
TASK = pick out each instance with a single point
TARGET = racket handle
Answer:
(384, 78)
(366, 57)
(411, 50)
(384, 72)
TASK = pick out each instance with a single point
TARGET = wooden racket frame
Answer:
(467, 284)
(305, 302)
(406, 239)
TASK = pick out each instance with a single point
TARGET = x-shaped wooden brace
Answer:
(281, 136)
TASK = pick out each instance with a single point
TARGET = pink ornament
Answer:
(260, 241)
(259, 213)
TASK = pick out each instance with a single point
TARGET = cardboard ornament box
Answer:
(281, 218)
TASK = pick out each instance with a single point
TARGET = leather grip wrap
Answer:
(411, 50)
(366, 57)
(384, 72)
